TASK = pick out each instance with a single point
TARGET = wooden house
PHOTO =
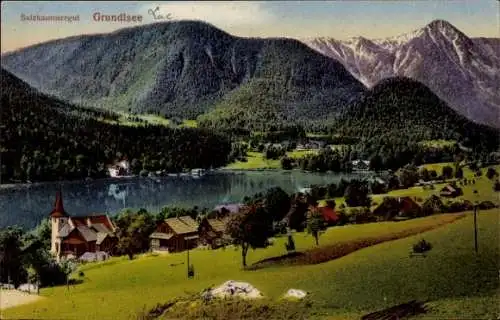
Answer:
(212, 232)
(74, 236)
(391, 208)
(175, 234)
(450, 191)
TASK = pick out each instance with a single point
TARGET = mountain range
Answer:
(183, 69)
(191, 69)
(462, 71)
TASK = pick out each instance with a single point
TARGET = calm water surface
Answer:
(26, 206)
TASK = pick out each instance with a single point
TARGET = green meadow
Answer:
(256, 160)
(483, 186)
(452, 279)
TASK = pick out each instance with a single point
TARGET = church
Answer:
(74, 236)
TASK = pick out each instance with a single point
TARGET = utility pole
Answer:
(475, 228)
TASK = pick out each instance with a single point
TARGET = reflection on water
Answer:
(26, 206)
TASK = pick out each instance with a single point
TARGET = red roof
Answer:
(58, 210)
(329, 214)
(94, 219)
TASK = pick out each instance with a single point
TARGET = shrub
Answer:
(486, 205)
(290, 245)
(447, 172)
(496, 186)
(422, 246)
(491, 173)
(360, 215)
(458, 206)
(286, 163)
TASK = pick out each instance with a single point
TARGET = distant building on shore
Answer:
(360, 165)
(119, 169)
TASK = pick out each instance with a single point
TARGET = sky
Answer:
(294, 19)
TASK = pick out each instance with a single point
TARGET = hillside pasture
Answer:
(364, 281)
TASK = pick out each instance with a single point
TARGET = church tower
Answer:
(58, 218)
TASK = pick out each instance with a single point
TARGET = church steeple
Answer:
(58, 210)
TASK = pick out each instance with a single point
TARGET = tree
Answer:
(315, 222)
(11, 256)
(425, 174)
(491, 173)
(356, 194)
(496, 186)
(447, 172)
(286, 163)
(408, 176)
(376, 163)
(133, 230)
(331, 204)
(277, 203)
(250, 229)
(459, 173)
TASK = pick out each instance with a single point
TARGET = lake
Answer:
(27, 205)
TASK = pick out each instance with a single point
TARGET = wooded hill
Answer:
(184, 69)
(46, 139)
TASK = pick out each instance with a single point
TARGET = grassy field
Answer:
(452, 279)
(256, 160)
(484, 187)
(438, 143)
(151, 119)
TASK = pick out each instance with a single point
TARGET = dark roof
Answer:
(161, 235)
(58, 210)
(218, 225)
(88, 234)
(101, 219)
(101, 236)
(64, 230)
(100, 227)
(448, 188)
(182, 225)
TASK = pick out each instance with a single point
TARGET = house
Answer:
(74, 236)
(450, 191)
(360, 165)
(175, 234)
(228, 208)
(397, 207)
(119, 169)
(212, 232)
(329, 215)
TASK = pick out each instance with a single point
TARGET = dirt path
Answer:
(12, 298)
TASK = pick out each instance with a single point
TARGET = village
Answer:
(93, 237)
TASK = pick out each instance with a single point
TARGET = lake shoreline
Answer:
(25, 185)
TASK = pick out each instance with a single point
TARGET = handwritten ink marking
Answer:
(158, 16)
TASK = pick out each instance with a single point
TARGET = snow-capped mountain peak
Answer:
(463, 72)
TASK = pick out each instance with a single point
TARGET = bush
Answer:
(290, 245)
(447, 172)
(286, 163)
(422, 246)
(360, 215)
(496, 186)
(491, 173)
(458, 206)
(486, 205)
